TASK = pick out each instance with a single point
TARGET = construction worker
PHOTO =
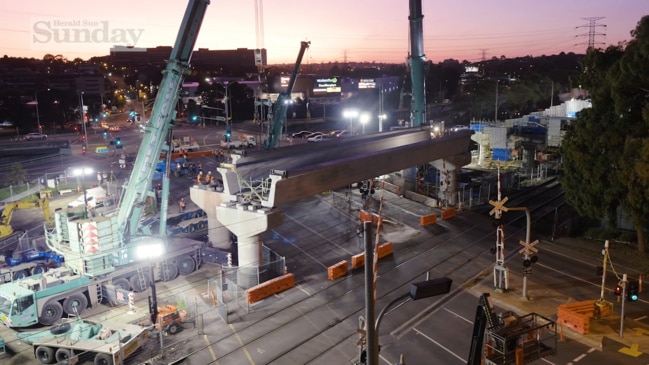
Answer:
(208, 177)
(199, 177)
(181, 205)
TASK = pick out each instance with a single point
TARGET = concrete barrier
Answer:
(65, 191)
(270, 287)
(427, 220)
(448, 213)
(337, 270)
(385, 249)
(371, 217)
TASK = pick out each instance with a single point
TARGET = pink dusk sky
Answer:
(339, 30)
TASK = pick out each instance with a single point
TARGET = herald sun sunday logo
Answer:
(80, 31)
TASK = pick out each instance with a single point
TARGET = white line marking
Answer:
(576, 359)
(440, 345)
(458, 316)
(591, 350)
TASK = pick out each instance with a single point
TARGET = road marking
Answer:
(242, 345)
(576, 359)
(209, 347)
(440, 345)
(458, 316)
(548, 361)
(631, 351)
(303, 290)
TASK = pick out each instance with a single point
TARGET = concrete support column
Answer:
(208, 200)
(448, 169)
(248, 223)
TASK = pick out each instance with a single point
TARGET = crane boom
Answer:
(279, 116)
(153, 142)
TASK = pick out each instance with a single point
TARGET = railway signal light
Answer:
(618, 290)
(632, 291)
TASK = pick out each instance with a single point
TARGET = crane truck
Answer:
(281, 105)
(106, 256)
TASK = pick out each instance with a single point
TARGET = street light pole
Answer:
(38, 117)
(83, 119)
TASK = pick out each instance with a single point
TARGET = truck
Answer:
(22, 264)
(94, 197)
(108, 256)
(107, 342)
(243, 142)
(185, 144)
(170, 319)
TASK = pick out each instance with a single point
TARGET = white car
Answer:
(30, 136)
(316, 138)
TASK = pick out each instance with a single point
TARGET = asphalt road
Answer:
(316, 322)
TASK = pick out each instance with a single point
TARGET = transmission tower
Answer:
(592, 32)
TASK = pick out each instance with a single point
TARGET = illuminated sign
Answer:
(366, 84)
(283, 81)
(327, 85)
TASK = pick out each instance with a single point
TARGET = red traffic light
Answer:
(618, 290)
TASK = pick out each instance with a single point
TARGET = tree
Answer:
(605, 154)
(17, 175)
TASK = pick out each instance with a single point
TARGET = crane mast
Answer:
(416, 61)
(138, 187)
(279, 115)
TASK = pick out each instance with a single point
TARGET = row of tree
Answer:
(605, 153)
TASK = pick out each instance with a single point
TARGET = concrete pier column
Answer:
(248, 222)
(208, 200)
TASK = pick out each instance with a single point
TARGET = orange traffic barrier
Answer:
(337, 270)
(576, 316)
(426, 220)
(384, 250)
(448, 213)
(371, 217)
(270, 287)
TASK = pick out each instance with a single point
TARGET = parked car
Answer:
(30, 136)
(301, 134)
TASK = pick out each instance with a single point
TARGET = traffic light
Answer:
(618, 289)
(118, 143)
(228, 134)
(105, 133)
(632, 290)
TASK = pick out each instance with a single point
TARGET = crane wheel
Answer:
(20, 274)
(62, 355)
(103, 359)
(186, 265)
(169, 271)
(38, 269)
(76, 301)
(139, 284)
(45, 354)
(122, 283)
(51, 313)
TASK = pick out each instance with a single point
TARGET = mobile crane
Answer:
(101, 253)
(281, 105)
